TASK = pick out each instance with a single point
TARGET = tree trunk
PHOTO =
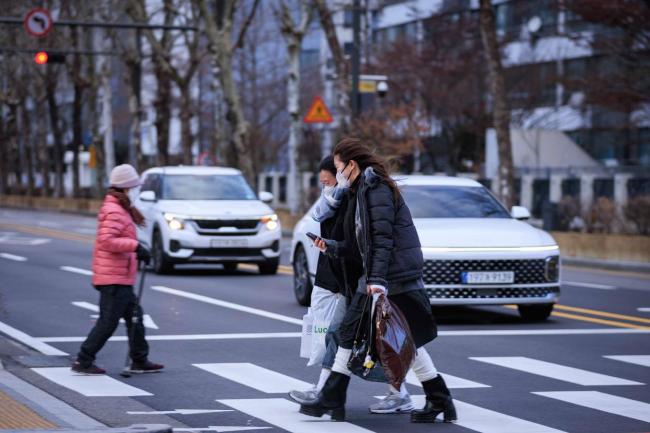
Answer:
(341, 65)
(4, 140)
(14, 156)
(186, 122)
(43, 154)
(221, 50)
(56, 131)
(163, 116)
(501, 110)
(28, 145)
(77, 105)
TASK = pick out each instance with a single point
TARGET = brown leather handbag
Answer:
(394, 344)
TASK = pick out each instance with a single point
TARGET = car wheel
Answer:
(269, 267)
(301, 281)
(161, 263)
(230, 266)
(535, 312)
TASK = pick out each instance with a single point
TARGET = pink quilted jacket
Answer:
(114, 259)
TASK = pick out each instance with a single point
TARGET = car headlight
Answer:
(175, 222)
(552, 268)
(270, 221)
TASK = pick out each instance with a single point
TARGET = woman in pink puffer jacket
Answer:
(115, 264)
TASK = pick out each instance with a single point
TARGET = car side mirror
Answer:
(147, 196)
(266, 196)
(520, 213)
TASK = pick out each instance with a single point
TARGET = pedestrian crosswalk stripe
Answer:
(30, 341)
(256, 377)
(452, 381)
(488, 421)
(643, 360)
(76, 270)
(555, 371)
(604, 402)
(284, 414)
(90, 386)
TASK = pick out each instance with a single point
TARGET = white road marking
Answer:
(13, 257)
(179, 412)
(590, 285)
(184, 337)
(643, 360)
(11, 238)
(30, 341)
(76, 270)
(90, 386)
(264, 335)
(644, 309)
(555, 371)
(604, 402)
(488, 421)
(284, 414)
(147, 321)
(225, 304)
(221, 428)
(254, 376)
(452, 381)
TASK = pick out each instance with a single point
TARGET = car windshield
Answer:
(436, 201)
(203, 187)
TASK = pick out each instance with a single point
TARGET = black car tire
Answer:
(535, 312)
(302, 286)
(269, 267)
(161, 263)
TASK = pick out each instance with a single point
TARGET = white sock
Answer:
(324, 374)
(423, 366)
(403, 392)
(341, 361)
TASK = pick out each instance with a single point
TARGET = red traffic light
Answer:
(41, 58)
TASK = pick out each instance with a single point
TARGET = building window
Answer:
(348, 18)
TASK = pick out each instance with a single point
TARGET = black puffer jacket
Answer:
(388, 241)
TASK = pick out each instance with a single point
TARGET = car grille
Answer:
(489, 293)
(449, 271)
(217, 224)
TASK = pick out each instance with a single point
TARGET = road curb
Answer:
(135, 428)
(608, 265)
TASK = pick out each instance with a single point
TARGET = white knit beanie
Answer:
(124, 176)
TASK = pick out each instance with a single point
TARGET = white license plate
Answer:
(220, 243)
(488, 277)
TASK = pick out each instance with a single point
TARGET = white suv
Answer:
(207, 215)
(475, 251)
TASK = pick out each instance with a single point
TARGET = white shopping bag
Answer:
(323, 307)
(305, 340)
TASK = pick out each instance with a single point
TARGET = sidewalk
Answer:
(25, 408)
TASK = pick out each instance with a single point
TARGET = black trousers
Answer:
(116, 302)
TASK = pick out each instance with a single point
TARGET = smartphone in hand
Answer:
(312, 236)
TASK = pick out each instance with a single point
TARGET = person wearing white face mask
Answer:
(329, 211)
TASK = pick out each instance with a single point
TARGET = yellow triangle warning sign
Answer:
(318, 112)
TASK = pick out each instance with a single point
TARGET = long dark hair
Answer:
(354, 149)
(125, 202)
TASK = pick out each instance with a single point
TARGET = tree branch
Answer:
(245, 25)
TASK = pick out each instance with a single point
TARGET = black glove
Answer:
(143, 253)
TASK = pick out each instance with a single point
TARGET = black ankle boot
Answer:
(438, 400)
(331, 398)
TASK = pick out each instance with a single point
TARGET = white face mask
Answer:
(341, 180)
(328, 190)
(133, 194)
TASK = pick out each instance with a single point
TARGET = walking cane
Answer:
(126, 371)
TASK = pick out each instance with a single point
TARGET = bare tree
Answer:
(501, 110)
(162, 55)
(341, 65)
(219, 28)
(293, 34)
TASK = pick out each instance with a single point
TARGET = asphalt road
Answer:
(230, 344)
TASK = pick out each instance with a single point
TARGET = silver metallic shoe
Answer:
(304, 397)
(393, 403)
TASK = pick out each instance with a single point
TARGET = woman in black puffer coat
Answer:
(382, 252)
